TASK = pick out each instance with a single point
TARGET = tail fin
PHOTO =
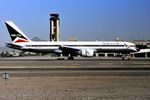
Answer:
(17, 36)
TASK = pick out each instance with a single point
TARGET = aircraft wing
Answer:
(77, 51)
(68, 49)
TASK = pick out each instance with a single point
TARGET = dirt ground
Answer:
(76, 88)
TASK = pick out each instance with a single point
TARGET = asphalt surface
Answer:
(34, 66)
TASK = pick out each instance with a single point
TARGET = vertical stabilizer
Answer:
(17, 36)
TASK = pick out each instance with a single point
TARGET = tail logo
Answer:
(15, 35)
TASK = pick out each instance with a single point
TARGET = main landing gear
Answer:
(70, 57)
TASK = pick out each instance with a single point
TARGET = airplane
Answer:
(83, 48)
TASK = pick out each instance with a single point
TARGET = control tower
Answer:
(54, 27)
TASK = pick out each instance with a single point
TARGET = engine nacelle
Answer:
(87, 53)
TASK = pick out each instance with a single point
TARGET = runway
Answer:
(79, 67)
(46, 62)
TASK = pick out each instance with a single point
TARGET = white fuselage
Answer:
(97, 46)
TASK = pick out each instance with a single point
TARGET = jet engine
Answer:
(87, 53)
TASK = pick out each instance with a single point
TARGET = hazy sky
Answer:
(85, 19)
